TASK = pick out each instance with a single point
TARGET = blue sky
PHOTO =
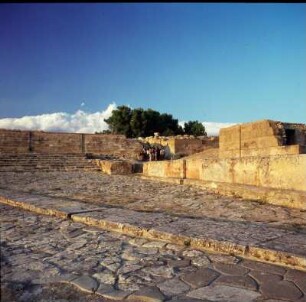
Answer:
(208, 62)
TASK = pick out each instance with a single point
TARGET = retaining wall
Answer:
(17, 141)
(279, 172)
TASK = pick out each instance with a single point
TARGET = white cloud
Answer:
(80, 122)
(82, 104)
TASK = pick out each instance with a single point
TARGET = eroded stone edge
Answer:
(211, 245)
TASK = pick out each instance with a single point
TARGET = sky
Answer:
(67, 66)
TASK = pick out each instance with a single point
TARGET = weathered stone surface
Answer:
(104, 288)
(280, 290)
(178, 263)
(35, 248)
(224, 258)
(201, 261)
(116, 295)
(263, 277)
(106, 277)
(202, 277)
(231, 269)
(149, 294)
(154, 244)
(85, 283)
(238, 281)
(264, 267)
(224, 293)
(173, 287)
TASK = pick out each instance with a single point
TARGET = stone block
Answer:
(115, 167)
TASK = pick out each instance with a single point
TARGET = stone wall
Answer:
(12, 141)
(15, 141)
(168, 169)
(280, 172)
(181, 145)
(262, 138)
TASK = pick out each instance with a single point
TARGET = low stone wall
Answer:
(183, 145)
(280, 172)
(16, 141)
(172, 168)
(115, 167)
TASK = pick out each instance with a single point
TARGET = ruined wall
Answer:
(12, 141)
(261, 138)
(280, 172)
(171, 169)
(184, 145)
(47, 142)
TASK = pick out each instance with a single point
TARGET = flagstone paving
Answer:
(45, 258)
(138, 194)
(57, 256)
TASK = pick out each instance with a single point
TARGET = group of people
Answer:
(152, 153)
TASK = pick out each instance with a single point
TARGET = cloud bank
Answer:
(79, 122)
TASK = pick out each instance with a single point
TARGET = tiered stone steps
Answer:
(29, 162)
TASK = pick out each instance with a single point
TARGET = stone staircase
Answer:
(29, 162)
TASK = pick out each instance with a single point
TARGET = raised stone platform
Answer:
(255, 241)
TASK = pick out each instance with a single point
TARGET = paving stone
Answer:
(280, 290)
(265, 267)
(155, 244)
(148, 294)
(116, 295)
(231, 269)
(263, 277)
(192, 253)
(224, 258)
(186, 299)
(162, 271)
(295, 275)
(202, 277)
(176, 248)
(106, 277)
(224, 293)
(237, 281)
(173, 287)
(146, 251)
(104, 288)
(178, 263)
(201, 261)
(138, 241)
(38, 240)
(85, 283)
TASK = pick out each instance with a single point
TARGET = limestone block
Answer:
(118, 167)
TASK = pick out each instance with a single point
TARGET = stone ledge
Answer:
(253, 242)
(287, 198)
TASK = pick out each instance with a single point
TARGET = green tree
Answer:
(119, 121)
(194, 128)
(139, 122)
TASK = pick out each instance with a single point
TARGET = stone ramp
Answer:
(256, 241)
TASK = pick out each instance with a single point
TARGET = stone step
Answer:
(251, 240)
(46, 162)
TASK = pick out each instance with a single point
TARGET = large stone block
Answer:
(118, 167)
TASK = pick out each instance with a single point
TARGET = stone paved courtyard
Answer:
(45, 258)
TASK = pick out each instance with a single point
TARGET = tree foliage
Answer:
(139, 122)
(194, 128)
